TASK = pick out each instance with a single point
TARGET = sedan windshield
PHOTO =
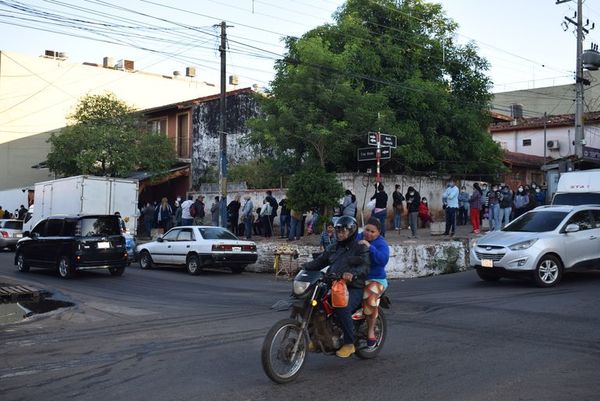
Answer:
(536, 222)
(216, 233)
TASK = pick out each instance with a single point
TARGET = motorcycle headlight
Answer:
(300, 287)
(519, 246)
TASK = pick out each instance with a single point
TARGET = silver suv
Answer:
(542, 243)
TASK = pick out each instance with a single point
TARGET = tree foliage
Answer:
(383, 65)
(105, 137)
(313, 187)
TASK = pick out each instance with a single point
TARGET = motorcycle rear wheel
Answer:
(278, 359)
(380, 330)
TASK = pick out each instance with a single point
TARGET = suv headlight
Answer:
(519, 246)
(300, 287)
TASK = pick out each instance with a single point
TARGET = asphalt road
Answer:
(165, 335)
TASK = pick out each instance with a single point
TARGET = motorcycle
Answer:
(313, 327)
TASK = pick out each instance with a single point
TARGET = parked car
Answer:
(73, 243)
(10, 233)
(541, 244)
(198, 247)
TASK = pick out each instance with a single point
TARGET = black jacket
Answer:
(341, 258)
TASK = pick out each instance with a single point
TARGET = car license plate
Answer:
(103, 245)
(487, 263)
(236, 249)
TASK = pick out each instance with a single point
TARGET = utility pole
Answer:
(222, 134)
(579, 79)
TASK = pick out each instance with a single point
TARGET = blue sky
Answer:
(522, 39)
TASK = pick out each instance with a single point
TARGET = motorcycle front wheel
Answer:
(362, 351)
(279, 360)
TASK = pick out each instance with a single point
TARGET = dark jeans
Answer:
(248, 228)
(266, 221)
(450, 220)
(344, 315)
(187, 222)
(463, 216)
(284, 225)
(295, 229)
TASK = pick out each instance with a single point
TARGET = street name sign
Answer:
(386, 140)
(366, 154)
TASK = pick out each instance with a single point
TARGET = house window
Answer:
(158, 126)
(526, 142)
(183, 137)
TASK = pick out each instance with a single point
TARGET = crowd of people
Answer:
(18, 214)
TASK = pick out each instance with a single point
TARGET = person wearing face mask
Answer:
(521, 201)
(494, 208)
(475, 204)
(424, 213)
(506, 201)
(412, 204)
(540, 196)
(483, 214)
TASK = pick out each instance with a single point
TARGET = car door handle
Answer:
(187, 246)
(169, 246)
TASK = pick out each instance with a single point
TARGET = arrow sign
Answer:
(386, 140)
(366, 154)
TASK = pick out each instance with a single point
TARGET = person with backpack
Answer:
(186, 217)
(164, 215)
(197, 211)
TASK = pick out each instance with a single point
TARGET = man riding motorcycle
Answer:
(350, 259)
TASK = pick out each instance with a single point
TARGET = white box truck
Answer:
(85, 194)
(578, 188)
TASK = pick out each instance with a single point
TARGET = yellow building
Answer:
(37, 94)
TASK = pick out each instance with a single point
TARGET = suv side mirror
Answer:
(572, 228)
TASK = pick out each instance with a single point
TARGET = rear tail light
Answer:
(222, 247)
(249, 248)
(4, 234)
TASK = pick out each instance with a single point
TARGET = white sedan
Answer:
(197, 247)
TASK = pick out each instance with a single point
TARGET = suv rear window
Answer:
(99, 226)
(13, 225)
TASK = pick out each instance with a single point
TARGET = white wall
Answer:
(513, 140)
(11, 199)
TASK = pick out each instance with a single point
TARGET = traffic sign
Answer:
(365, 154)
(386, 140)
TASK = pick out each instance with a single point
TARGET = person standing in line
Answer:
(295, 226)
(463, 204)
(451, 200)
(494, 208)
(186, 216)
(177, 214)
(164, 215)
(521, 201)
(284, 219)
(148, 213)
(413, 199)
(199, 211)
(349, 204)
(506, 200)
(424, 213)
(247, 216)
(398, 206)
(380, 211)
(214, 212)
(274, 205)
(484, 214)
(475, 203)
(233, 214)
(265, 216)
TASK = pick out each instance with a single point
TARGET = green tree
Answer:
(383, 65)
(105, 137)
(314, 187)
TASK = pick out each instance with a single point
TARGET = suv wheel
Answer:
(548, 271)
(21, 264)
(145, 260)
(65, 270)
(116, 271)
(193, 264)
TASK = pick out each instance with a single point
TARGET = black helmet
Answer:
(349, 223)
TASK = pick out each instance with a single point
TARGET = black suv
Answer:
(72, 243)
